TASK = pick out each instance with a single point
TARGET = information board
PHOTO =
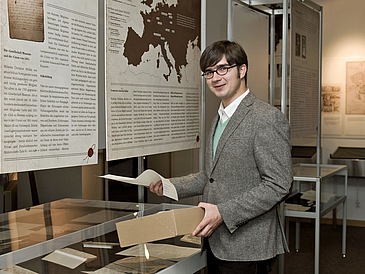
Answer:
(152, 77)
(304, 73)
(48, 84)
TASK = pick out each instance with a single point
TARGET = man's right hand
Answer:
(156, 188)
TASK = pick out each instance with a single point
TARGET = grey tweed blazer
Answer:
(250, 175)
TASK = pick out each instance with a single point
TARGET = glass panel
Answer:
(303, 196)
(332, 189)
(27, 227)
(33, 240)
(113, 260)
(313, 171)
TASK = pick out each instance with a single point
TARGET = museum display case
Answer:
(317, 190)
(79, 236)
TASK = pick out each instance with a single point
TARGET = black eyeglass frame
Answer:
(211, 72)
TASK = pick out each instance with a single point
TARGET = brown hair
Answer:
(233, 52)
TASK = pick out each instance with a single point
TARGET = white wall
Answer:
(255, 41)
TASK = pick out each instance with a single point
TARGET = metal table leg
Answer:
(334, 218)
(344, 228)
(297, 235)
(317, 227)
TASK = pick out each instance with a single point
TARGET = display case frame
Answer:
(319, 174)
(103, 214)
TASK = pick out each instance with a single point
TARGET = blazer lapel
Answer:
(209, 148)
(236, 119)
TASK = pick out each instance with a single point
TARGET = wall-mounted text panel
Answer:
(48, 84)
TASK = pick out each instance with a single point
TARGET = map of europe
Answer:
(170, 28)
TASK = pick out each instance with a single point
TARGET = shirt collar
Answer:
(226, 113)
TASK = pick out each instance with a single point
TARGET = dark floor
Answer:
(330, 259)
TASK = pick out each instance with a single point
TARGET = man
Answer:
(248, 170)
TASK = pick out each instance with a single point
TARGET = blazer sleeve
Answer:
(190, 185)
(272, 155)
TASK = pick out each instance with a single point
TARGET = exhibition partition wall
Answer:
(50, 81)
(303, 61)
(304, 69)
(255, 41)
(49, 72)
(49, 99)
(152, 77)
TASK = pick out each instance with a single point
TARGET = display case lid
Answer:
(34, 231)
(349, 153)
(311, 171)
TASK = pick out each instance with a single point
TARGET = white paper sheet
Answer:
(191, 239)
(144, 179)
(311, 196)
(69, 257)
(135, 265)
(162, 251)
(296, 207)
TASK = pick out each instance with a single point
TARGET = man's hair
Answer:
(233, 52)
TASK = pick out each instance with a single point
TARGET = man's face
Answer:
(229, 86)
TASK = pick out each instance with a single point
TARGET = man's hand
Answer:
(212, 219)
(156, 188)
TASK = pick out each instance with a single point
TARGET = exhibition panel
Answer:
(152, 77)
(72, 236)
(49, 84)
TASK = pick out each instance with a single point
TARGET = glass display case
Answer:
(317, 190)
(79, 236)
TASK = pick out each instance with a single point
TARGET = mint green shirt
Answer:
(225, 114)
(218, 133)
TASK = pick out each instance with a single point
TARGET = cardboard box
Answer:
(162, 225)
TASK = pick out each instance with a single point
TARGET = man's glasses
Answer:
(220, 71)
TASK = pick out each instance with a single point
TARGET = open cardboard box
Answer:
(162, 225)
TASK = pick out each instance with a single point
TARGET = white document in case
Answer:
(69, 257)
(161, 251)
(144, 179)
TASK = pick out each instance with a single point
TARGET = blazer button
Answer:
(211, 180)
